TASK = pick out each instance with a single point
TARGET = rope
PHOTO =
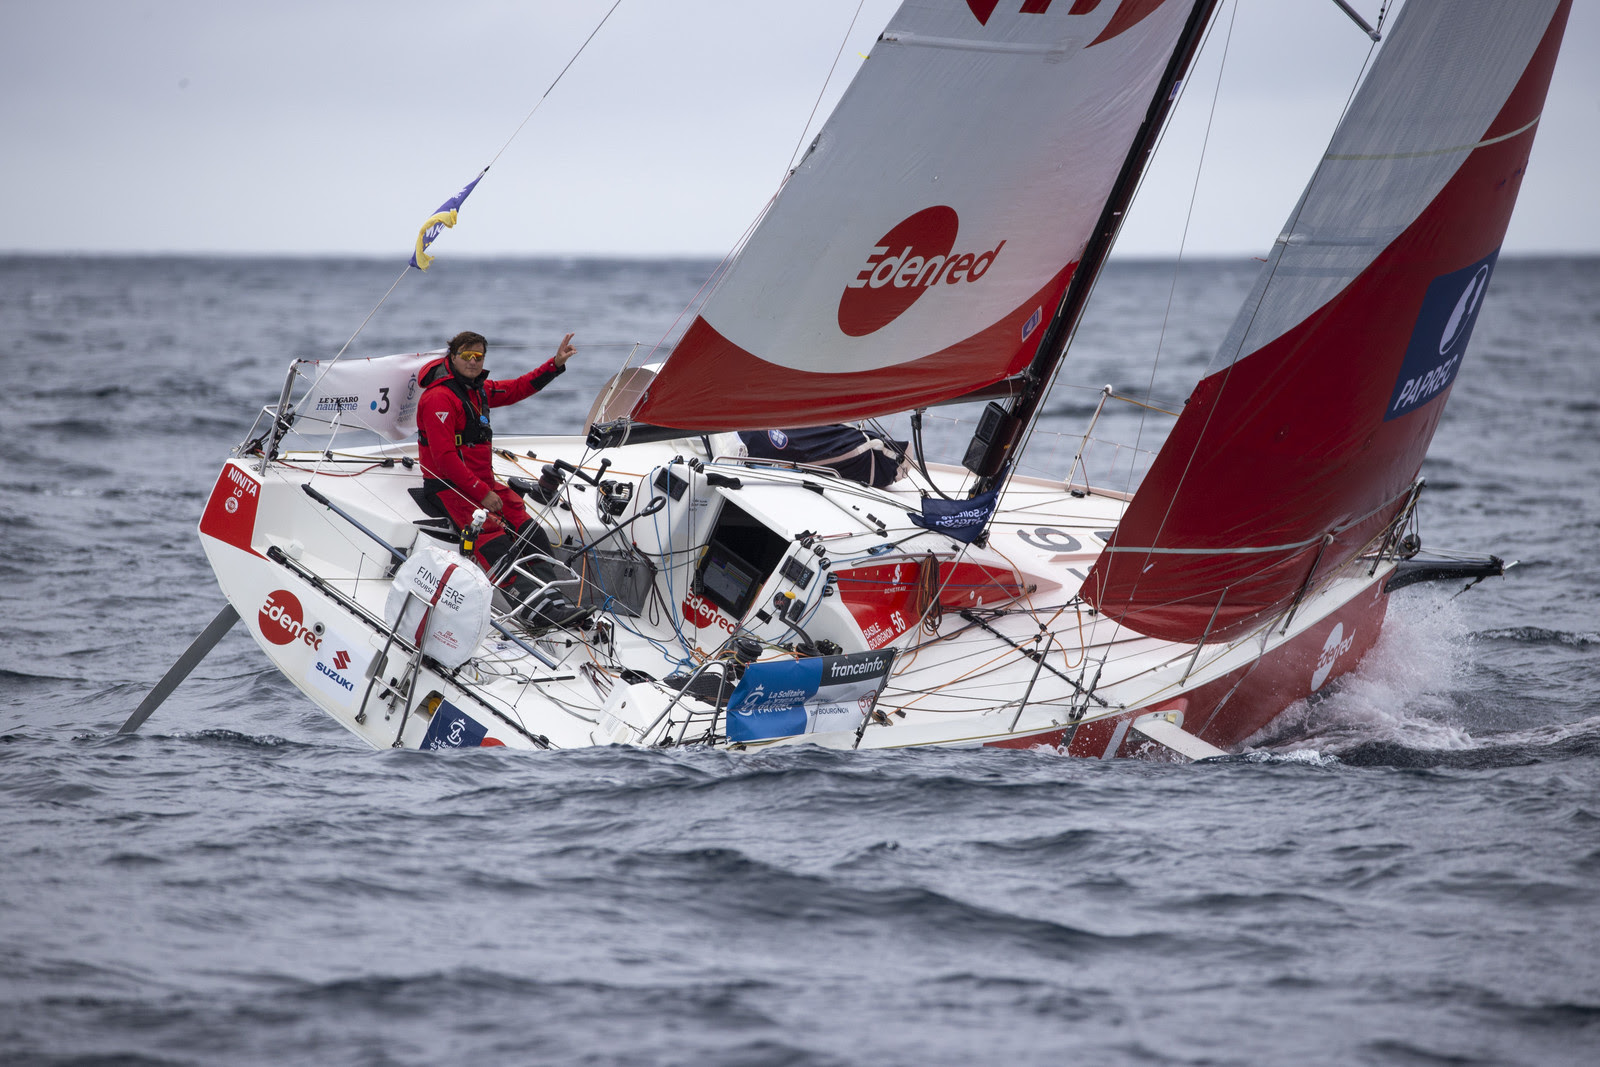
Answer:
(553, 84)
(720, 272)
(795, 155)
(1183, 240)
(407, 269)
(1272, 271)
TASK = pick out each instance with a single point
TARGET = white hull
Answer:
(1096, 690)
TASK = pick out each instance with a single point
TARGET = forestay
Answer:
(1301, 444)
(923, 243)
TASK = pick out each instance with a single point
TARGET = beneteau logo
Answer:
(917, 255)
(282, 620)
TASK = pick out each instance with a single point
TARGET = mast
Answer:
(1003, 425)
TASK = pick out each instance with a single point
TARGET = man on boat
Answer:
(457, 445)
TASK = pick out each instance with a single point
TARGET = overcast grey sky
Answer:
(337, 127)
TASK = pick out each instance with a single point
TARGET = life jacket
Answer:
(477, 430)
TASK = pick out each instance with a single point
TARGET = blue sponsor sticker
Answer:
(452, 728)
(1439, 339)
(1032, 323)
(770, 700)
(782, 698)
(778, 438)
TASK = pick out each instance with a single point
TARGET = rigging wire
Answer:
(1272, 269)
(1180, 89)
(407, 268)
(720, 272)
(1183, 240)
(794, 157)
(553, 84)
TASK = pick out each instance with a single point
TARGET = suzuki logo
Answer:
(915, 256)
(341, 660)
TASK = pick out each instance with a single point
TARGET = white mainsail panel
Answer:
(932, 228)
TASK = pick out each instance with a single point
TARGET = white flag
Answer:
(376, 393)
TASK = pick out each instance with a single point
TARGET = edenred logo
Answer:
(1128, 14)
(282, 621)
(912, 258)
(703, 615)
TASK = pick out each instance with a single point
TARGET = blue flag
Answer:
(963, 520)
(440, 220)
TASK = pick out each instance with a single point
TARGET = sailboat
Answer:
(936, 244)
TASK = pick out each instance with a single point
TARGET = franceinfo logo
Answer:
(847, 671)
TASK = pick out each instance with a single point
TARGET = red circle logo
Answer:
(904, 264)
(281, 620)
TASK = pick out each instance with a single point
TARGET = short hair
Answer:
(465, 338)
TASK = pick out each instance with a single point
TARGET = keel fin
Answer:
(180, 670)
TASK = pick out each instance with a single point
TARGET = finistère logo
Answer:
(282, 620)
(916, 255)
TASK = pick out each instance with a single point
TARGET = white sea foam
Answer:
(1400, 693)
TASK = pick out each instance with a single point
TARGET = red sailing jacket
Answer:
(453, 428)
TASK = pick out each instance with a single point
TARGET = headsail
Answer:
(925, 240)
(1301, 443)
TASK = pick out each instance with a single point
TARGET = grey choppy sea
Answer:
(1407, 872)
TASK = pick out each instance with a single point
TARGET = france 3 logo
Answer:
(1439, 339)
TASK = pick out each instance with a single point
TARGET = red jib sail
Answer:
(923, 244)
(1300, 445)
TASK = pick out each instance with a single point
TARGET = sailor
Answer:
(457, 443)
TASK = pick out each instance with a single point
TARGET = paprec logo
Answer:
(915, 256)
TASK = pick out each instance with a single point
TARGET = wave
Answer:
(1400, 694)
(1537, 635)
(211, 738)
(1410, 702)
(1416, 700)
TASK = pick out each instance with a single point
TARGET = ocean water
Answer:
(1405, 872)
